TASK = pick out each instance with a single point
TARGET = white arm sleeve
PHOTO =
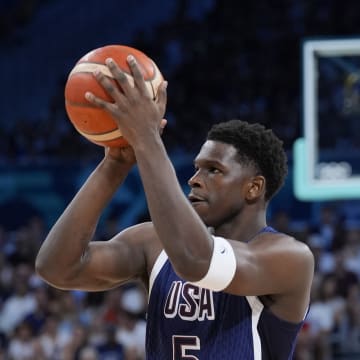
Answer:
(222, 266)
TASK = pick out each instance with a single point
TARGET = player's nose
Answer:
(195, 180)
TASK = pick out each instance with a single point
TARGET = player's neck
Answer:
(244, 228)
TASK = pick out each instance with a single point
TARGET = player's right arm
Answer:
(68, 260)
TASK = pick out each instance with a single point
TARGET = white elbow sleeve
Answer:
(222, 266)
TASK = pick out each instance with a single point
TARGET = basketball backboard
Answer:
(327, 158)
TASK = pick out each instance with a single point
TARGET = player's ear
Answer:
(255, 188)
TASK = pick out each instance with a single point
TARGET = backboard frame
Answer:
(305, 150)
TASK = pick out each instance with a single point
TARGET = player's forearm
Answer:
(61, 253)
(183, 234)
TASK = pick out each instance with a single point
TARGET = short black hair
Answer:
(256, 146)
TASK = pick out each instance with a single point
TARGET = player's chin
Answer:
(201, 208)
(207, 216)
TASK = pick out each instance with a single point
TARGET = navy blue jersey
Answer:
(188, 322)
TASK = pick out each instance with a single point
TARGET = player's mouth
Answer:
(194, 199)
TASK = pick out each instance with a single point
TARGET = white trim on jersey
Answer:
(256, 309)
(159, 263)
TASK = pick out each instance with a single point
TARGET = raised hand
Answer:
(137, 115)
(126, 154)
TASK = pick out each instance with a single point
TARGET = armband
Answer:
(222, 266)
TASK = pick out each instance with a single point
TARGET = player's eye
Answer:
(214, 170)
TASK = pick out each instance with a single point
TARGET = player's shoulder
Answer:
(284, 243)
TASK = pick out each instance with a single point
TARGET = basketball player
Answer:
(222, 284)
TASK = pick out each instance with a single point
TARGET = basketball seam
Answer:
(77, 104)
(98, 63)
(106, 70)
(102, 136)
(98, 133)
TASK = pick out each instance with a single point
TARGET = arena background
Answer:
(223, 59)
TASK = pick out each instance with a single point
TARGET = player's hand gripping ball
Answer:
(94, 123)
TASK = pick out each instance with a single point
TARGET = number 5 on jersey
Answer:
(182, 345)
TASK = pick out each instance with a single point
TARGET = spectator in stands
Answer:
(22, 345)
(325, 316)
(111, 348)
(20, 303)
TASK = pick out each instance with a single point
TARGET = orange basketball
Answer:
(93, 123)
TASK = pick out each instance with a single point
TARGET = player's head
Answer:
(256, 146)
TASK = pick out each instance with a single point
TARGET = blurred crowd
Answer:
(217, 69)
(332, 326)
(39, 322)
